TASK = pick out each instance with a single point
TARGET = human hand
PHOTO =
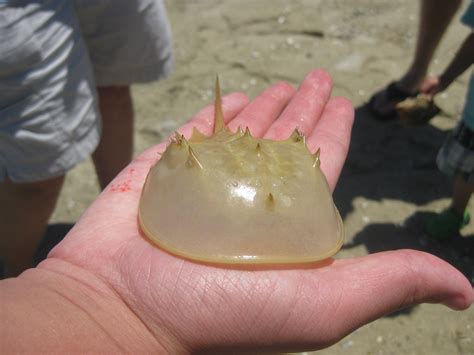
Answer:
(179, 305)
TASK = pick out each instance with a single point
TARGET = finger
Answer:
(263, 110)
(305, 108)
(332, 135)
(352, 293)
(387, 282)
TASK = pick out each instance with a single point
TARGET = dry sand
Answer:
(390, 179)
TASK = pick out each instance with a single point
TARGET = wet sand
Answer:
(390, 179)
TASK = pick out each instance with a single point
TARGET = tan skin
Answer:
(115, 148)
(106, 288)
(24, 215)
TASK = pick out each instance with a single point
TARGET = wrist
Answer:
(62, 308)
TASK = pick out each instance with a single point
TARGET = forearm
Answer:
(63, 309)
(461, 61)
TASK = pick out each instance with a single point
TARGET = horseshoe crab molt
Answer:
(231, 198)
(417, 111)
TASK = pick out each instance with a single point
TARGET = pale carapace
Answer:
(232, 198)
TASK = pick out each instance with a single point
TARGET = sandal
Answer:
(392, 94)
(446, 224)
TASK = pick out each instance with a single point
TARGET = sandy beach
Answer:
(390, 180)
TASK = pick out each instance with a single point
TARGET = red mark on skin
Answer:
(123, 186)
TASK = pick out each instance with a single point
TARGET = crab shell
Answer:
(232, 198)
(417, 111)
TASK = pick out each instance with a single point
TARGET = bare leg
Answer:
(448, 223)
(24, 214)
(462, 191)
(435, 16)
(116, 145)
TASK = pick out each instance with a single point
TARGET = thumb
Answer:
(378, 284)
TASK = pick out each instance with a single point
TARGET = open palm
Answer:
(189, 306)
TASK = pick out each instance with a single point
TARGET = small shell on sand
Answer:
(417, 111)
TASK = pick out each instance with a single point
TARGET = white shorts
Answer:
(53, 55)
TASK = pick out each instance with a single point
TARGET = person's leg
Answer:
(435, 16)
(49, 117)
(24, 215)
(115, 31)
(462, 191)
(115, 149)
(448, 223)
